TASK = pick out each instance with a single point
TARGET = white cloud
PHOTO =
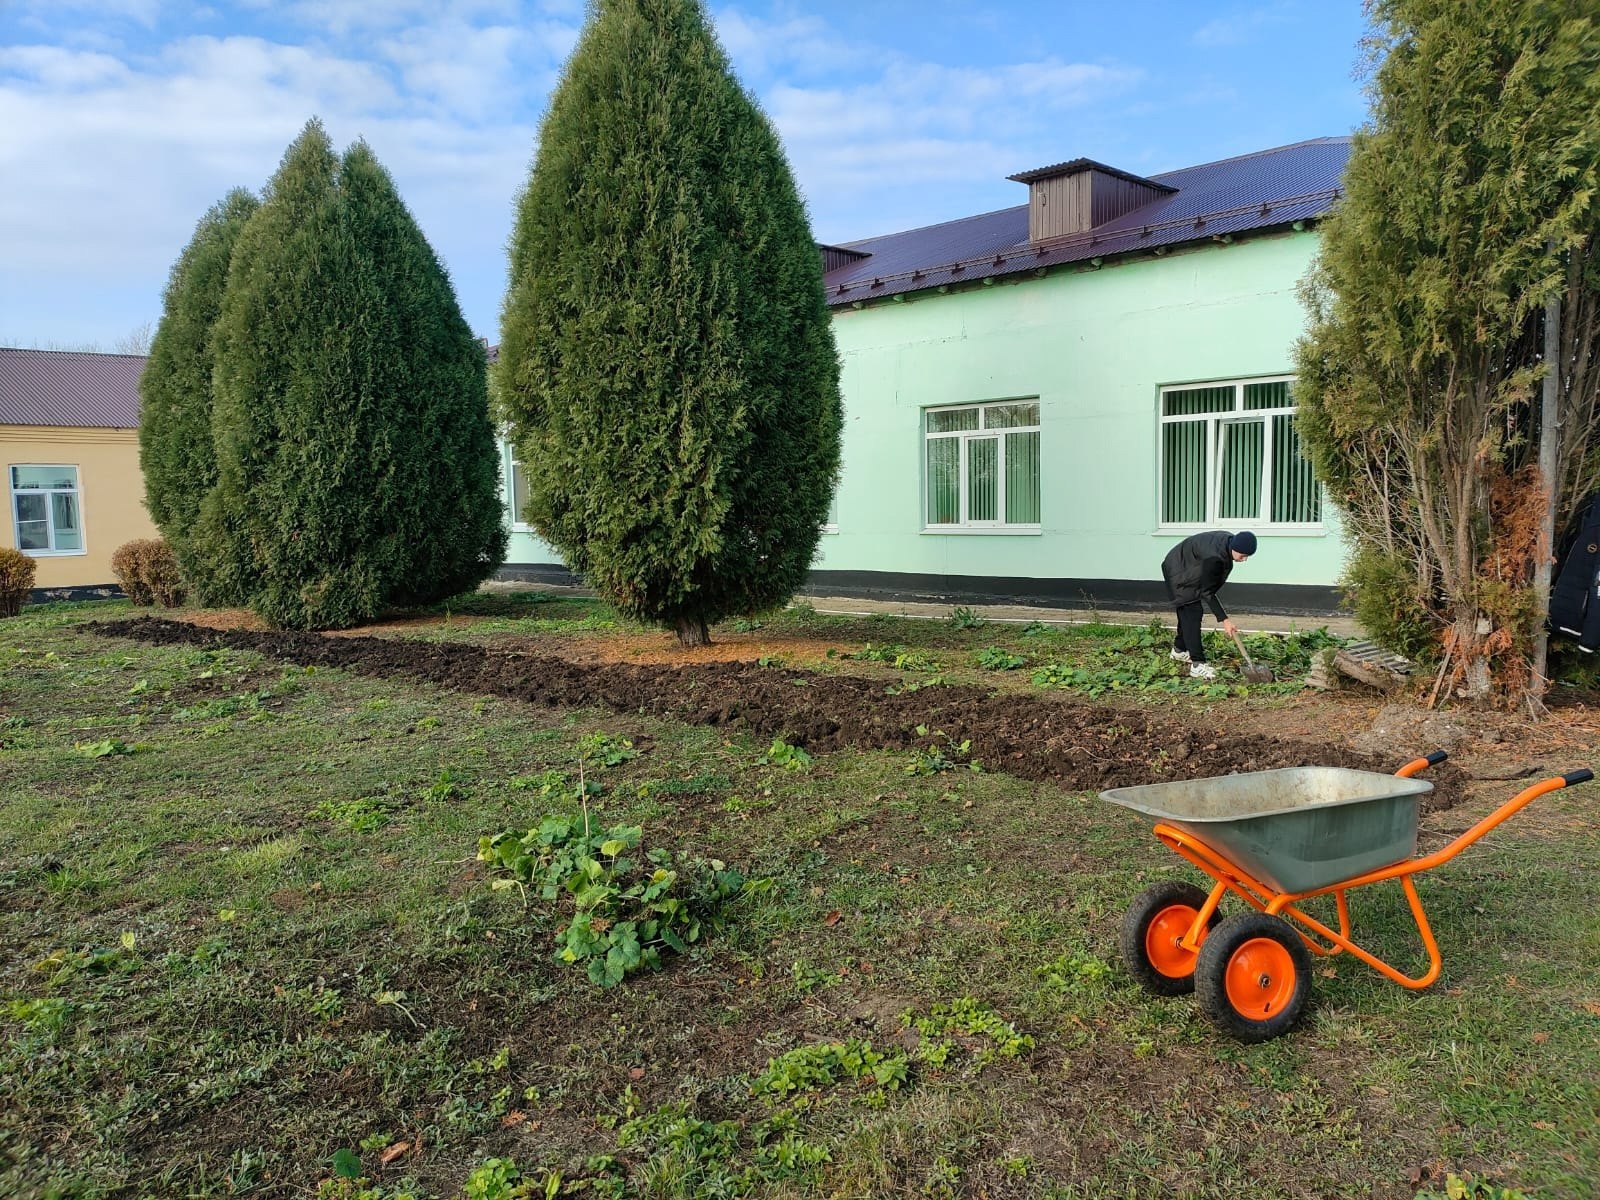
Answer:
(799, 45)
(460, 69)
(1240, 27)
(52, 67)
(929, 142)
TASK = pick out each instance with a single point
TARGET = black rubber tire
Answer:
(1217, 953)
(1136, 921)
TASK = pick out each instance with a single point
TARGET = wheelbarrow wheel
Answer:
(1253, 977)
(1161, 915)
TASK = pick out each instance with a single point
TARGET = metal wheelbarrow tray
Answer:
(1274, 839)
(1296, 829)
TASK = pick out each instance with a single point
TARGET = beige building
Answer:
(69, 446)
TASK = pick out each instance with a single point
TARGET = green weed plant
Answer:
(629, 907)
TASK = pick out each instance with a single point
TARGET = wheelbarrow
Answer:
(1275, 839)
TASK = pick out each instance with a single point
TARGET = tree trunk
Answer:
(691, 632)
(1476, 678)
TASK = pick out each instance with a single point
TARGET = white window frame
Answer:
(75, 491)
(1215, 449)
(518, 525)
(964, 524)
(830, 521)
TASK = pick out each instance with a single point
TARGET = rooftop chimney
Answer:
(1077, 196)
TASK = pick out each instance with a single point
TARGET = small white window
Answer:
(982, 466)
(45, 510)
(519, 496)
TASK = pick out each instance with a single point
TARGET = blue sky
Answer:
(122, 121)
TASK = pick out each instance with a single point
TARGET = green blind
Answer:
(983, 479)
(951, 420)
(1295, 494)
(1188, 402)
(1183, 467)
(1268, 395)
(944, 481)
(1243, 446)
(1009, 416)
(1022, 478)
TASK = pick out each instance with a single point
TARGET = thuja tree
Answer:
(1471, 200)
(176, 453)
(356, 468)
(667, 367)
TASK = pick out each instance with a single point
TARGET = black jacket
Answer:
(1196, 567)
(1575, 597)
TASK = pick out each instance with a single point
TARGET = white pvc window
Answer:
(1230, 455)
(519, 496)
(982, 466)
(46, 514)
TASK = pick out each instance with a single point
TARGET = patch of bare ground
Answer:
(1045, 737)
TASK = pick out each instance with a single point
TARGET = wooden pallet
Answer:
(1373, 666)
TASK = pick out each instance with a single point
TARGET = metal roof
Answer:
(1269, 189)
(69, 388)
(1083, 164)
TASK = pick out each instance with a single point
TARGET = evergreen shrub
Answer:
(356, 466)
(667, 363)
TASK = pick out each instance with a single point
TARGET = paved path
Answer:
(1019, 613)
(1022, 614)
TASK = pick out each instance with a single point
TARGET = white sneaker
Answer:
(1178, 655)
(1202, 671)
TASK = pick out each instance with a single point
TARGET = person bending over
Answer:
(1195, 570)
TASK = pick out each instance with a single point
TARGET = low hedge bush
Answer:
(148, 572)
(16, 580)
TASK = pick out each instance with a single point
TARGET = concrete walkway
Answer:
(1022, 615)
(1019, 614)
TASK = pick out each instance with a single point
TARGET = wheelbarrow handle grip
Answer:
(1573, 778)
(1418, 765)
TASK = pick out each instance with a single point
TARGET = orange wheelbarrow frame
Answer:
(1265, 972)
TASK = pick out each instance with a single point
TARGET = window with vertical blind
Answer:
(1230, 455)
(982, 466)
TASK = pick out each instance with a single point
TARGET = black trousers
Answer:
(1189, 616)
(1188, 636)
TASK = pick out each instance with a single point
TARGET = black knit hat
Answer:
(1244, 542)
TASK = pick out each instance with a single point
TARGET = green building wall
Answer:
(1094, 346)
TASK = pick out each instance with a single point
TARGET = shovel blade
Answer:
(1258, 674)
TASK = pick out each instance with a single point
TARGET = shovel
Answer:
(1251, 672)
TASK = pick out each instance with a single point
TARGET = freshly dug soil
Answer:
(1046, 737)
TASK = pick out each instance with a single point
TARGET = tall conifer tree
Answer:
(1471, 198)
(356, 464)
(667, 363)
(176, 454)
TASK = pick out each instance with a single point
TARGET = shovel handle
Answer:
(1239, 642)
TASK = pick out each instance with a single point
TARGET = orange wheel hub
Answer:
(1260, 978)
(1162, 937)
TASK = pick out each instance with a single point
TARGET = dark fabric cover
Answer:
(1196, 567)
(1575, 596)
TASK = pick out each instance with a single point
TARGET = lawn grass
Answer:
(245, 930)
